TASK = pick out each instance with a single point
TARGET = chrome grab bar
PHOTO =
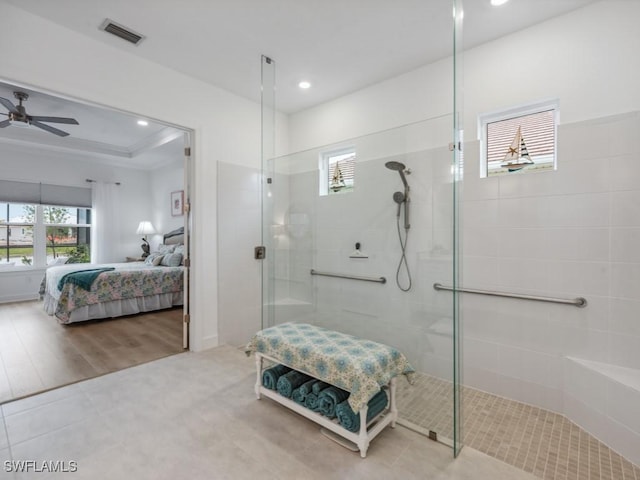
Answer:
(578, 302)
(351, 277)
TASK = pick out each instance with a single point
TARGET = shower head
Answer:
(400, 168)
(395, 166)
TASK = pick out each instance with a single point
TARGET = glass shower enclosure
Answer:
(357, 233)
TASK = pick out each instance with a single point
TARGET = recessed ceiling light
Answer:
(143, 123)
(497, 3)
(304, 85)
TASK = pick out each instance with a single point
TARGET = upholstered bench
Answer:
(361, 367)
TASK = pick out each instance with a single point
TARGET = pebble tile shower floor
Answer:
(535, 440)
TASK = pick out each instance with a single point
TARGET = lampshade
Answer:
(145, 228)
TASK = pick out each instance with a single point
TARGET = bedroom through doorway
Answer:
(146, 164)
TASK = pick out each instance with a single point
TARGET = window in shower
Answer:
(337, 171)
(518, 140)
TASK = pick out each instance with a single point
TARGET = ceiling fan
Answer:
(18, 116)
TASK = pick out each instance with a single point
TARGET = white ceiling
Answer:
(108, 136)
(340, 46)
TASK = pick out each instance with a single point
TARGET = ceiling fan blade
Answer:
(69, 121)
(9, 105)
(49, 128)
(5, 123)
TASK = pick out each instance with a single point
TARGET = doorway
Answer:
(149, 161)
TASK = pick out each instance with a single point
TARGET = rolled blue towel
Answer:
(329, 398)
(288, 382)
(351, 420)
(318, 387)
(271, 375)
(307, 387)
(298, 396)
(311, 402)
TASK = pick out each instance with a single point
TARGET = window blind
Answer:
(44, 194)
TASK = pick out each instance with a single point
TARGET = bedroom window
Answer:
(337, 171)
(518, 140)
(39, 235)
(67, 233)
(16, 235)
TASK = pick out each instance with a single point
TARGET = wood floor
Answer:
(37, 353)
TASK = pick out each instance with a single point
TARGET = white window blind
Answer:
(44, 194)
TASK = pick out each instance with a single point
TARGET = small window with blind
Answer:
(519, 140)
(337, 171)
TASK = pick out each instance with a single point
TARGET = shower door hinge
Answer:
(187, 262)
(187, 207)
(187, 151)
(186, 318)
(452, 146)
(259, 252)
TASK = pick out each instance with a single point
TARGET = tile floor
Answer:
(533, 439)
(194, 415)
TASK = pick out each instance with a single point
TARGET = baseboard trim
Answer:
(18, 298)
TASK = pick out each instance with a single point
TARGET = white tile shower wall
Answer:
(239, 274)
(322, 232)
(566, 233)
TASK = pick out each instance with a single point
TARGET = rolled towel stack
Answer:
(317, 387)
(351, 420)
(271, 375)
(288, 382)
(299, 395)
(329, 398)
(311, 402)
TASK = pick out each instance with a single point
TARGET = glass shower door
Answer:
(389, 211)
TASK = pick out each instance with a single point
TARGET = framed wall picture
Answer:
(177, 202)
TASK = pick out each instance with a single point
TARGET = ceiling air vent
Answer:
(121, 31)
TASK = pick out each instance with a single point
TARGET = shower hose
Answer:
(403, 258)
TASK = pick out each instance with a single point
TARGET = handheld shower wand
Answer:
(402, 198)
(398, 197)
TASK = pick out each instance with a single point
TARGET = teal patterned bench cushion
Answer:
(360, 366)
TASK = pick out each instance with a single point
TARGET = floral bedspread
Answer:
(359, 366)
(126, 281)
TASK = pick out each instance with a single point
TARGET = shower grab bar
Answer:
(578, 302)
(351, 277)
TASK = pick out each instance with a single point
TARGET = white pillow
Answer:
(154, 259)
(165, 248)
(172, 260)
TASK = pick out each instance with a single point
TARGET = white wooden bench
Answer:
(323, 354)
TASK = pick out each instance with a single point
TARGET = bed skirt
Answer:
(116, 308)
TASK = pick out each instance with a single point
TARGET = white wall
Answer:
(239, 232)
(164, 180)
(226, 127)
(565, 233)
(588, 57)
(320, 232)
(70, 169)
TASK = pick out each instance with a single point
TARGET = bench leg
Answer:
(363, 437)
(258, 375)
(393, 408)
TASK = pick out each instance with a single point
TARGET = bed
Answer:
(81, 292)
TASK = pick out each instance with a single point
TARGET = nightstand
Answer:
(135, 259)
